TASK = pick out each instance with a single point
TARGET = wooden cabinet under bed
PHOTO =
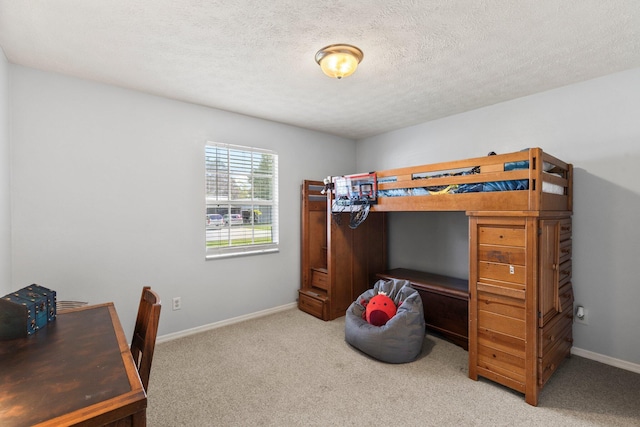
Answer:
(521, 297)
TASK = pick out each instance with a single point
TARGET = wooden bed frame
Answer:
(520, 291)
(520, 295)
(520, 307)
(491, 169)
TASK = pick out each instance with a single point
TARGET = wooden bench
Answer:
(445, 300)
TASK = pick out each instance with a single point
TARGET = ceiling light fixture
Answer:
(339, 60)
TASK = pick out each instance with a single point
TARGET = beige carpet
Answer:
(291, 369)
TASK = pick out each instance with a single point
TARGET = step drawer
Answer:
(315, 305)
(319, 279)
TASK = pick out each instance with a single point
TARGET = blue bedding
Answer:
(509, 185)
(512, 185)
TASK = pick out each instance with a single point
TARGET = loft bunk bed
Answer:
(514, 313)
(528, 180)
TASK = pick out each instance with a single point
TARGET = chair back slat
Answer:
(145, 332)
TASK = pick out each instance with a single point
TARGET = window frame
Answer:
(243, 164)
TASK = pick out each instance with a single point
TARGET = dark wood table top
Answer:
(76, 370)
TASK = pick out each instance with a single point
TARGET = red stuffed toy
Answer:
(380, 309)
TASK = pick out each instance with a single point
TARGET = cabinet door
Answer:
(548, 301)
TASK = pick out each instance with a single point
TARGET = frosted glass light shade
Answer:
(339, 60)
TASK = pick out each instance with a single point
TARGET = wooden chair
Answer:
(145, 332)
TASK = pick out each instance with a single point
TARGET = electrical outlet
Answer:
(177, 303)
(580, 315)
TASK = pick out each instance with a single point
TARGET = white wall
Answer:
(5, 194)
(108, 196)
(595, 125)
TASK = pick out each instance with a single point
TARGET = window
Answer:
(241, 214)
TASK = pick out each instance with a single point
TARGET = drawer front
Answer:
(555, 330)
(501, 314)
(502, 305)
(565, 297)
(549, 363)
(319, 279)
(492, 271)
(565, 250)
(501, 236)
(502, 254)
(501, 342)
(502, 324)
(565, 229)
(507, 364)
(314, 306)
(564, 273)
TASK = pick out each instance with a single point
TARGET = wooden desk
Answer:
(76, 371)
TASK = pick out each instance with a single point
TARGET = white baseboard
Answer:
(226, 322)
(607, 360)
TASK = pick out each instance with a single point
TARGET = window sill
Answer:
(245, 252)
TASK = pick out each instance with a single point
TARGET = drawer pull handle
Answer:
(552, 338)
(566, 250)
(569, 340)
(565, 228)
(566, 272)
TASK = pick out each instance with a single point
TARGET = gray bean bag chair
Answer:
(400, 339)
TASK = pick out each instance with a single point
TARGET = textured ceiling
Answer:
(423, 59)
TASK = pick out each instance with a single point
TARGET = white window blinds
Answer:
(241, 200)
